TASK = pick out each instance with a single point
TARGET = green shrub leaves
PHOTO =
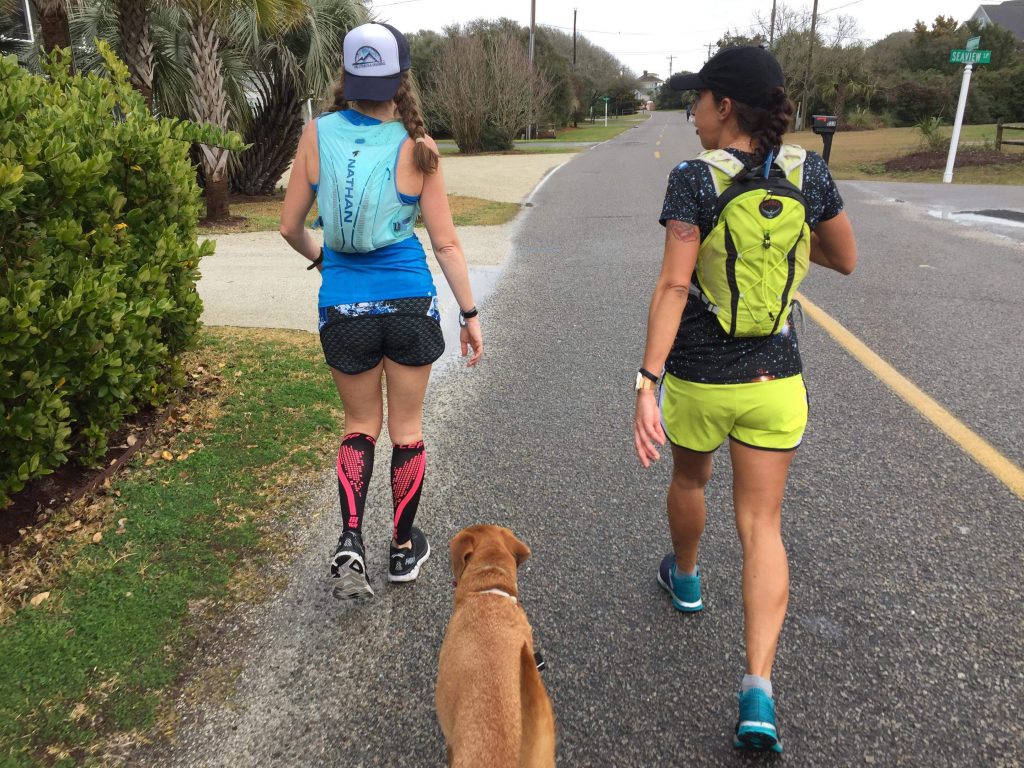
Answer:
(98, 212)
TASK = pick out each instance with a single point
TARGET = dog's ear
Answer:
(519, 550)
(461, 548)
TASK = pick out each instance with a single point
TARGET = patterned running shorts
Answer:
(356, 337)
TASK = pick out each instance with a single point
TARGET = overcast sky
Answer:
(653, 30)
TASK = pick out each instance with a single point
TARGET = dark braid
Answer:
(407, 105)
(407, 108)
(766, 127)
(336, 101)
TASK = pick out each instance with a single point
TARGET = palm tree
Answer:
(53, 24)
(137, 45)
(281, 53)
(842, 76)
(191, 46)
(207, 97)
(288, 68)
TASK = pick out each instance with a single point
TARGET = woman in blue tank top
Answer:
(372, 170)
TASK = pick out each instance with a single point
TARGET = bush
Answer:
(1003, 91)
(932, 139)
(98, 210)
(861, 119)
(913, 99)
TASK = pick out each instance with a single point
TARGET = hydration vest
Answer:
(750, 264)
(359, 203)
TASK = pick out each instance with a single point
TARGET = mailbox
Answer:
(825, 126)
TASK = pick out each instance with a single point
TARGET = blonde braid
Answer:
(407, 106)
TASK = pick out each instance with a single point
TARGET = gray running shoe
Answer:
(348, 568)
(404, 564)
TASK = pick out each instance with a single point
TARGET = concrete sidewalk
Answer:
(256, 280)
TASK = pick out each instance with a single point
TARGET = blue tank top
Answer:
(395, 271)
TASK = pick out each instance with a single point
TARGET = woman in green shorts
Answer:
(716, 385)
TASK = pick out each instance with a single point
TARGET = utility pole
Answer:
(709, 49)
(807, 74)
(533, 32)
(575, 81)
(771, 30)
(670, 59)
(573, 39)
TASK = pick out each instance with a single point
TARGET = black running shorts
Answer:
(356, 337)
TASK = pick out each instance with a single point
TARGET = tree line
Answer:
(478, 87)
(261, 67)
(903, 79)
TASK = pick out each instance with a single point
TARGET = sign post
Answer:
(606, 100)
(21, 31)
(968, 56)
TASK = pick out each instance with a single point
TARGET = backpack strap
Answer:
(791, 160)
(724, 167)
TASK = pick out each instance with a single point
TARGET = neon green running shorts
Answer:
(770, 415)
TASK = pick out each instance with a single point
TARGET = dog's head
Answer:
(487, 553)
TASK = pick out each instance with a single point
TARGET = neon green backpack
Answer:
(753, 260)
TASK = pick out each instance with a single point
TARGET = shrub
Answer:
(861, 119)
(913, 99)
(98, 210)
(932, 139)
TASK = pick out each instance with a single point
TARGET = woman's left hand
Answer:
(471, 337)
(647, 428)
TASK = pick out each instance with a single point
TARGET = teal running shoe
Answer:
(685, 590)
(756, 727)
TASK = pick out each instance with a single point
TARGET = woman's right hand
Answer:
(472, 337)
(647, 429)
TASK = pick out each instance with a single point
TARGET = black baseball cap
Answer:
(749, 74)
(375, 57)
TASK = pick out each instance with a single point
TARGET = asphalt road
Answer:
(902, 644)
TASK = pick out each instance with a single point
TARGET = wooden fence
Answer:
(1000, 127)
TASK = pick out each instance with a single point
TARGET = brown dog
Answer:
(491, 703)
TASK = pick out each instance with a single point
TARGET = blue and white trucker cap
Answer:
(375, 57)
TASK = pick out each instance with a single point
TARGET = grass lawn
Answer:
(264, 214)
(522, 148)
(586, 132)
(861, 155)
(183, 529)
(597, 131)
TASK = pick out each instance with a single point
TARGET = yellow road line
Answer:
(657, 155)
(657, 143)
(1005, 470)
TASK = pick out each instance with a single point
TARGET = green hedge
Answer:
(98, 214)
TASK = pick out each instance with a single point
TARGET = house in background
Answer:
(1009, 14)
(647, 86)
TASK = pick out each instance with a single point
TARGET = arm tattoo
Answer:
(683, 232)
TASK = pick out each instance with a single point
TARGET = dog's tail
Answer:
(538, 745)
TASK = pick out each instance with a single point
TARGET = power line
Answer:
(595, 31)
(675, 51)
(840, 7)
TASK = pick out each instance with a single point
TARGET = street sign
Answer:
(973, 44)
(961, 56)
(606, 99)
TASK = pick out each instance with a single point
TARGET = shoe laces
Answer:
(350, 540)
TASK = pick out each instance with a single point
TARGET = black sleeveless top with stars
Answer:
(702, 351)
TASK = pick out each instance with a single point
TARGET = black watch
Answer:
(464, 316)
(648, 375)
(318, 262)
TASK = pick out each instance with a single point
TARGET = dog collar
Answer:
(499, 592)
